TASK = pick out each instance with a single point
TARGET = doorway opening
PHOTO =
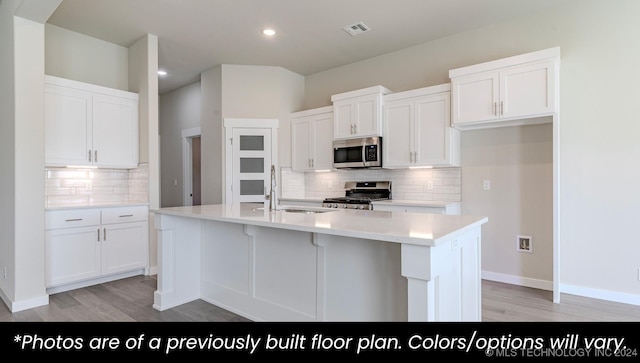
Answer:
(191, 142)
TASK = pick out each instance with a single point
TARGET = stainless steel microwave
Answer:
(357, 153)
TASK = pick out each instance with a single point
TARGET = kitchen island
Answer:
(320, 264)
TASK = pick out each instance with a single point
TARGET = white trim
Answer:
(187, 167)
(620, 297)
(253, 123)
(541, 55)
(518, 280)
(15, 306)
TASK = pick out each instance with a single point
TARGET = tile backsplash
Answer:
(79, 186)
(439, 184)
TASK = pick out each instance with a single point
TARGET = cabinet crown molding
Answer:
(541, 55)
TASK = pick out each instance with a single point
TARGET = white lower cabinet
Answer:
(86, 244)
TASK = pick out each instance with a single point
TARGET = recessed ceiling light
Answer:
(269, 32)
(162, 73)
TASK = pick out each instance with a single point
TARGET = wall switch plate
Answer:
(486, 184)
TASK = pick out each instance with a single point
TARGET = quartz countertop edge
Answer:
(399, 227)
(95, 205)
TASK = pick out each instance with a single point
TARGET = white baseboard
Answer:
(620, 297)
(99, 280)
(518, 280)
(15, 306)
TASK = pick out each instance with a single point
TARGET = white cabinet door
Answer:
(358, 113)
(312, 140)
(398, 136)
(301, 143)
(357, 117)
(72, 254)
(67, 127)
(84, 244)
(417, 131)
(90, 125)
(435, 141)
(527, 91)
(115, 132)
(475, 98)
(513, 91)
(322, 153)
(343, 120)
(123, 247)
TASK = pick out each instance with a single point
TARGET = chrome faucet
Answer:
(272, 192)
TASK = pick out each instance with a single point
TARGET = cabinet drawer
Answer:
(125, 214)
(72, 218)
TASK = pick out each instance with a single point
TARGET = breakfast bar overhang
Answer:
(296, 264)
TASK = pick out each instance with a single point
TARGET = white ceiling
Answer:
(195, 35)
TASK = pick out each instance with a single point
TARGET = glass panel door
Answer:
(251, 165)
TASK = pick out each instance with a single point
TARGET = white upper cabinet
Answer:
(358, 113)
(312, 139)
(90, 125)
(417, 130)
(512, 91)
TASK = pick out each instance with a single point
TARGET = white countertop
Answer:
(94, 205)
(400, 227)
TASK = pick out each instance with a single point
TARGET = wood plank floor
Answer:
(131, 300)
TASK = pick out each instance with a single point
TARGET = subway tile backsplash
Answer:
(441, 184)
(77, 186)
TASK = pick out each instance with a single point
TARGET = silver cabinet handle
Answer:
(89, 155)
(502, 107)
(312, 163)
(95, 156)
(73, 220)
(410, 156)
(98, 234)
(495, 108)
(104, 234)
(126, 215)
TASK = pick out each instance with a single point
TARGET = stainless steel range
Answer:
(360, 194)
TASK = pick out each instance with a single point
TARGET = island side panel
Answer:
(364, 281)
(261, 273)
(179, 240)
(444, 280)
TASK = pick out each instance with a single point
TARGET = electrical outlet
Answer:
(486, 185)
(429, 184)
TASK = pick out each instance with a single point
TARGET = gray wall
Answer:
(598, 137)
(179, 110)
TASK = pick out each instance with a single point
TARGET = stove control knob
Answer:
(362, 206)
(345, 206)
(335, 205)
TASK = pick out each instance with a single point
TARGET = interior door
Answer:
(251, 165)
